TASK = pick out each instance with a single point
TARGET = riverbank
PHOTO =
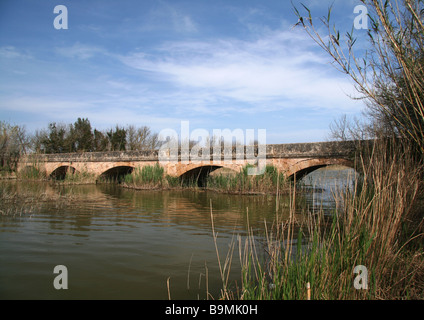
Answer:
(370, 248)
(154, 178)
(371, 227)
(27, 202)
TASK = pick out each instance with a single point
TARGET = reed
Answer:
(23, 201)
(268, 182)
(79, 177)
(151, 177)
(146, 176)
(31, 173)
(371, 226)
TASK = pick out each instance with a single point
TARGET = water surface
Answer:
(119, 243)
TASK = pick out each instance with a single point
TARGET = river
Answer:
(119, 243)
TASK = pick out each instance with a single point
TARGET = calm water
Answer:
(123, 244)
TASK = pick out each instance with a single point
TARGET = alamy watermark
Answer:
(61, 280)
(361, 280)
(223, 146)
(361, 20)
(61, 20)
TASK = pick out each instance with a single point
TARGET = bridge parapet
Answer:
(273, 151)
(108, 156)
(314, 149)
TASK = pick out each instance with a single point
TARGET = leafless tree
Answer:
(390, 75)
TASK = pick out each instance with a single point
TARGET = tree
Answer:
(345, 129)
(153, 142)
(117, 138)
(13, 143)
(37, 139)
(100, 141)
(55, 141)
(82, 135)
(141, 138)
(390, 76)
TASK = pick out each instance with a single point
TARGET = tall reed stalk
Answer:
(371, 227)
(241, 182)
(150, 177)
(79, 177)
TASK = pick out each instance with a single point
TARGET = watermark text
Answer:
(224, 146)
(61, 20)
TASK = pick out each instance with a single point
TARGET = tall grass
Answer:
(269, 182)
(150, 177)
(27, 200)
(145, 176)
(370, 227)
(31, 173)
(79, 177)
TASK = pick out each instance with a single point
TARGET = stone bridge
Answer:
(296, 159)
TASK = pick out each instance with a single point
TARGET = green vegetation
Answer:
(379, 224)
(31, 173)
(148, 177)
(13, 142)
(151, 177)
(61, 138)
(80, 137)
(271, 181)
(388, 73)
(78, 177)
(29, 199)
(374, 225)
(154, 177)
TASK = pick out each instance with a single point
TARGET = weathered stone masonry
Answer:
(290, 159)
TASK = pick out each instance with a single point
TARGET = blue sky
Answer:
(217, 64)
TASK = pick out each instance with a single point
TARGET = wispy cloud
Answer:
(79, 51)
(11, 52)
(280, 66)
(156, 63)
(101, 112)
(170, 17)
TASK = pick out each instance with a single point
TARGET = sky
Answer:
(219, 64)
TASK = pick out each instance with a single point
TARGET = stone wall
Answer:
(316, 149)
(292, 150)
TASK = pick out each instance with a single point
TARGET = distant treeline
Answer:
(81, 137)
(75, 137)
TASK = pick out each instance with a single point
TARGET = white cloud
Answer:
(167, 16)
(278, 67)
(49, 106)
(100, 113)
(11, 52)
(79, 51)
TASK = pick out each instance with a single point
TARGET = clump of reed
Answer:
(150, 177)
(31, 173)
(78, 177)
(271, 181)
(24, 201)
(373, 226)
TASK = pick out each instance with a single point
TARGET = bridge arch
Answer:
(60, 172)
(303, 168)
(116, 173)
(198, 174)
